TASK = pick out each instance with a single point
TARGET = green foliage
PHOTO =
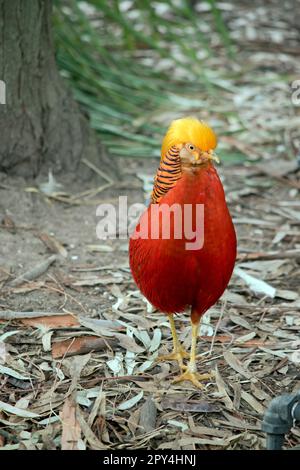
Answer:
(128, 61)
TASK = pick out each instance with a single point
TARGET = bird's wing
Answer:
(167, 175)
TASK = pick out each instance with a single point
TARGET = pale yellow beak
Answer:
(210, 155)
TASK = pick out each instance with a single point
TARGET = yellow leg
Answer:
(178, 353)
(191, 373)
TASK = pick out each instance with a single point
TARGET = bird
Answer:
(173, 269)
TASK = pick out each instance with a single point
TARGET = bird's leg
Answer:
(191, 373)
(178, 353)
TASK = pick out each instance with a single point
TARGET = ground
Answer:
(78, 369)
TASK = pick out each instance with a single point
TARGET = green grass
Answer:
(127, 67)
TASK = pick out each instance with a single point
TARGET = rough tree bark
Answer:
(41, 126)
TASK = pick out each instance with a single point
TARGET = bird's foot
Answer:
(193, 377)
(177, 355)
(199, 358)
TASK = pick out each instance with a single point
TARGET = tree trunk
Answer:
(41, 126)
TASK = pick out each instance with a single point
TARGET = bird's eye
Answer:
(191, 147)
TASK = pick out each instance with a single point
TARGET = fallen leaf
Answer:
(211, 442)
(47, 421)
(130, 356)
(55, 321)
(6, 335)
(53, 244)
(256, 285)
(222, 390)
(148, 413)
(236, 423)
(197, 406)
(12, 373)
(253, 402)
(3, 352)
(237, 388)
(178, 424)
(116, 364)
(81, 345)
(269, 266)
(100, 248)
(206, 431)
(35, 272)
(76, 365)
(284, 334)
(46, 341)
(234, 298)
(143, 336)
(259, 393)
(236, 365)
(128, 343)
(156, 339)
(11, 447)
(14, 410)
(287, 294)
(92, 439)
(245, 338)
(99, 408)
(238, 320)
(205, 327)
(101, 327)
(71, 431)
(126, 405)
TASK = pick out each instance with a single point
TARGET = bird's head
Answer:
(195, 139)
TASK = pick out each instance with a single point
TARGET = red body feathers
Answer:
(172, 277)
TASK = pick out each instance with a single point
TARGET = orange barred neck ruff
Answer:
(168, 173)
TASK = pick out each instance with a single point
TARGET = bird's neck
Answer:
(196, 170)
(198, 184)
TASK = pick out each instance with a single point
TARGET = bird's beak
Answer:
(206, 156)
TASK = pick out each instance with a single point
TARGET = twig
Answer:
(288, 254)
(61, 291)
(18, 227)
(91, 192)
(100, 268)
(123, 378)
(97, 170)
(7, 315)
(66, 200)
(275, 308)
(217, 326)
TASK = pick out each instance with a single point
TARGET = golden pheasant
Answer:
(176, 268)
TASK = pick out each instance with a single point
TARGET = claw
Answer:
(176, 355)
(193, 377)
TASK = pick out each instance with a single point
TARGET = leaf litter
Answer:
(81, 304)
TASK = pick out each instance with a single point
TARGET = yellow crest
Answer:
(190, 130)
